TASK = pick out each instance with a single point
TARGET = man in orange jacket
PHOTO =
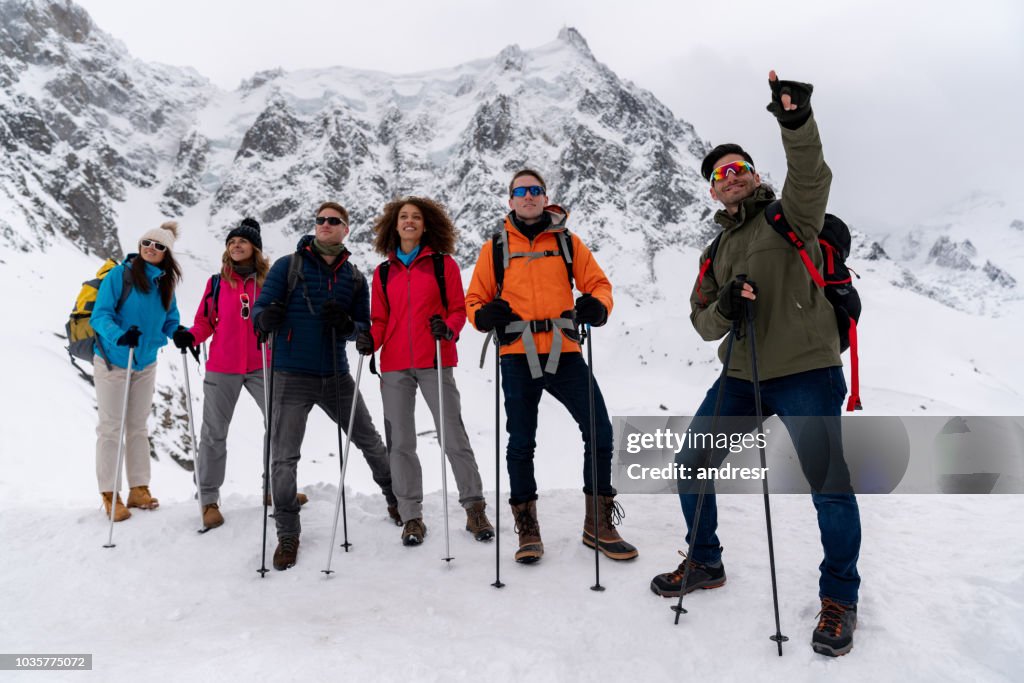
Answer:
(522, 290)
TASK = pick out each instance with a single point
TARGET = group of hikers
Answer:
(296, 316)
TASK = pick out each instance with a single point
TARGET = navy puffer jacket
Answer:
(303, 344)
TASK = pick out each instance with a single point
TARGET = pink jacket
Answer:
(234, 349)
(401, 325)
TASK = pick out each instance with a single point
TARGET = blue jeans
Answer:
(522, 397)
(818, 445)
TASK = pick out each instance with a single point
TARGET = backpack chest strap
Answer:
(525, 328)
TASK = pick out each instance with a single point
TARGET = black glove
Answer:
(800, 95)
(590, 311)
(731, 299)
(272, 317)
(183, 339)
(336, 318)
(364, 343)
(493, 314)
(130, 338)
(439, 329)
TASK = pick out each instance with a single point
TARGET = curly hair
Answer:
(438, 230)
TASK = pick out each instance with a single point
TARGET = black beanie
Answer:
(708, 165)
(248, 229)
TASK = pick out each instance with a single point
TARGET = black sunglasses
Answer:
(154, 244)
(330, 220)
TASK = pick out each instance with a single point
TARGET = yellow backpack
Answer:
(80, 334)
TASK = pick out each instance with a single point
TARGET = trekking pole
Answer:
(586, 338)
(192, 432)
(444, 467)
(340, 503)
(266, 353)
(688, 563)
(497, 464)
(748, 305)
(115, 489)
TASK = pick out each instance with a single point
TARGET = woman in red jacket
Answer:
(408, 314)
(225, 313)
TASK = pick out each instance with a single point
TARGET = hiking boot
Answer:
(701, 576)
(393, 514)
(836, 623)
(286, 553)
(414, 532)
(121, 513)
(301, 497)
(609, 514)
(531, 548)
(139, 497)
(212, 518)
(477, 522)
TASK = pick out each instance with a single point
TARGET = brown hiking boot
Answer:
(531, 548)
(414, 532)
(212, 518)
(121, 513)
(301, 497)
(609, 514)
(393, 514)
(286, 553)
(477, 522)
(139, 497)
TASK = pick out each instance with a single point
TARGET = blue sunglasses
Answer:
(534, 190)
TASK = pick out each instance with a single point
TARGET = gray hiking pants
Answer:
(220, 396)
(398, 390)
(294, 396)
(109, 402)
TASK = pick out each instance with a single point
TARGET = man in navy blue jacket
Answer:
(330, 301)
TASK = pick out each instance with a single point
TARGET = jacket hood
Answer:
(557, 214)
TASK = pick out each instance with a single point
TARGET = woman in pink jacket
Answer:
(225, 313)
(408, 315)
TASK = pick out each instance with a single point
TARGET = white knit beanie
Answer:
(165, 234)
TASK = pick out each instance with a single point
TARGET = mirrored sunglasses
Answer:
(534, 190)
(736, 168)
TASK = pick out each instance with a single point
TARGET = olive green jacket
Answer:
(794, 325)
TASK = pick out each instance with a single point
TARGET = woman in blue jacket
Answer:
(143, 320)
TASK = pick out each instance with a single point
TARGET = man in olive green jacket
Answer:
(797, 342)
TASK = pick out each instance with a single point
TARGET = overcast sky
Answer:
(920, 103)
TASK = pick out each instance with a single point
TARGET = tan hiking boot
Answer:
(140, 497)
(414, 532)
(300, 496)
(531, 548)
(212, 518)
(477, 522)
(609, 513)
(121, 513)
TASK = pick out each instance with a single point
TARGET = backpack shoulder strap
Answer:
(296, 276)
(382, 275)
(773, 214)
(212, 296)
(707, 267)
(499, 255)
(565, 251)
(126, 288)
(439, 276)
